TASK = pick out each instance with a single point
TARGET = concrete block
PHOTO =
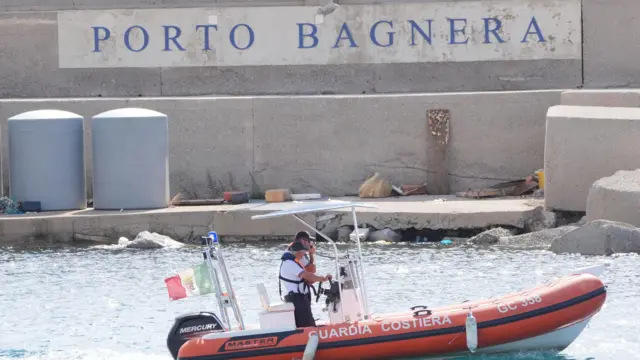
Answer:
(616, 198)
(602, 97)
(584, 144)
(600, 237)
(610, 57)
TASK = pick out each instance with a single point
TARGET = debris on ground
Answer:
(277, 195)
(198, 202)
(31, 206)
(538, 194)
(414, 189)
(9, 206)
(375, 187)
(236, 197)
(406, 190)
(303, 197)
(521, 187)
(385, 234)
(363, 234)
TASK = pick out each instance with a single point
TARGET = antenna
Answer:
(213, 255)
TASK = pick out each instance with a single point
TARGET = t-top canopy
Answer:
(313, 207)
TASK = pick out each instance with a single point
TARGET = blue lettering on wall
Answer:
(382, 33)
(207, 43)
(453, 31)
(127, 36)
(372, 34)
(415, 27)
(232, 36)
(494, 30)
(345, 29)
(537, 31)
(97, 38)
(173, 38)
(311, 34)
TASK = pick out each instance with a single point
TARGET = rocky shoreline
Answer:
(555, 232)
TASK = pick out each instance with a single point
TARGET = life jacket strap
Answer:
(298, 282)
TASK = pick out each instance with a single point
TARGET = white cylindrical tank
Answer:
(130, 159)
(46, 159)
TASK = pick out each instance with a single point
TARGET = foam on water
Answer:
(111, 303)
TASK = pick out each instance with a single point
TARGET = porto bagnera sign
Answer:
(457, 31)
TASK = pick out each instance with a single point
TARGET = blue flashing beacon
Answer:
(213, 236)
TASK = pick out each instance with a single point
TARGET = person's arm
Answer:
(312, 278)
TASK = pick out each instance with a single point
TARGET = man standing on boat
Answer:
(297, 281)
(308, 260)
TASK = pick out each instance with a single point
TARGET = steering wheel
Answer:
(320, 289)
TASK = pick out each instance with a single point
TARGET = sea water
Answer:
(106, 302)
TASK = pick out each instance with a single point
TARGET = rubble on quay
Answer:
(512, 217)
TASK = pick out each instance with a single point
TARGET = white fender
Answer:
(472, 332)
(310, 349)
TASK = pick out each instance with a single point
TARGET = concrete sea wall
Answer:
(70, 49)
(224, 71)
(591, 36)
(331, 144)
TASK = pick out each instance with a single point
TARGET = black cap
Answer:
(297, 246)
(303, 235)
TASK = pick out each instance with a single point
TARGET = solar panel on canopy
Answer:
(313, 207)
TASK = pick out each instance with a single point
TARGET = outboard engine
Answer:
(189, 326)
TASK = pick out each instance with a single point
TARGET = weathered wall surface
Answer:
(29, 48)
(330, 143)
(475, 46)
(610, 50)
(602, 97)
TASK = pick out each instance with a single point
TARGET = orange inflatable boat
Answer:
(547, 317)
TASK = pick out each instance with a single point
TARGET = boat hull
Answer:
(547, 317)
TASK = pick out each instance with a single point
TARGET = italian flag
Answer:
(190, 282)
